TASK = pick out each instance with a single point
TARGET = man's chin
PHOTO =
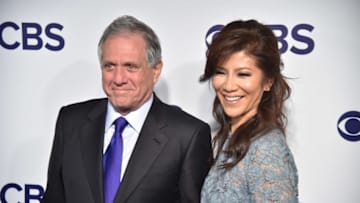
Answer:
(123, 110)
(122, 107)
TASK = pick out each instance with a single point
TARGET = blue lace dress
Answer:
(267, 173)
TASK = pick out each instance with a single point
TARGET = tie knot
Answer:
(120, 124)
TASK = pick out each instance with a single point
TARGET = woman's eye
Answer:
(244, 74)
(219, 72)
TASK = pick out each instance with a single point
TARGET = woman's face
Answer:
(239, 84)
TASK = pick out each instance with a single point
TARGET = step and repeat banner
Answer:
(48, 58)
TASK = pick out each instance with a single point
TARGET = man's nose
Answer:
(120, 75)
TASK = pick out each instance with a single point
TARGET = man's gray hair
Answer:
(128, 24)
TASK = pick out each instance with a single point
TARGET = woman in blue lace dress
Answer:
(253, 162)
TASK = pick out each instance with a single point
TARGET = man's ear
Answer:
(157, 70)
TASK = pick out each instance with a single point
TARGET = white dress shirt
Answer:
(131, 132)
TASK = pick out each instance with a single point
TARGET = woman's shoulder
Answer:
(274, 137)
(270, 146)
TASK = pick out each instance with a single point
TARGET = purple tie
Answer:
(112, 161)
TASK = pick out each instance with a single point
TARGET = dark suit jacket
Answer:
(169, 162)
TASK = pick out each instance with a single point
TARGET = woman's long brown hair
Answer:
(258, 41)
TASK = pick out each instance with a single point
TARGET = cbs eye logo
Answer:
(349, 126)
(212, 32)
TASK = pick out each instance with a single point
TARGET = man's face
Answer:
(127, 79)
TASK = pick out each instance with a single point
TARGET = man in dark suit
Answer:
(166, 152)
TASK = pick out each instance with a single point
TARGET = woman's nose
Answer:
(229, 84)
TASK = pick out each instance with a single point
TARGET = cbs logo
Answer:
(304, 44)
(349, 126)
(31, 36)
(29, 192)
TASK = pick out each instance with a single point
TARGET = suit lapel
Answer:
(150, 143)
(91, 145)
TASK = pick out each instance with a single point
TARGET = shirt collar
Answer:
(135, 118)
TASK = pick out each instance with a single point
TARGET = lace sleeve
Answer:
(272, 174)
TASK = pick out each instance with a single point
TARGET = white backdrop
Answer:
(36, 81)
